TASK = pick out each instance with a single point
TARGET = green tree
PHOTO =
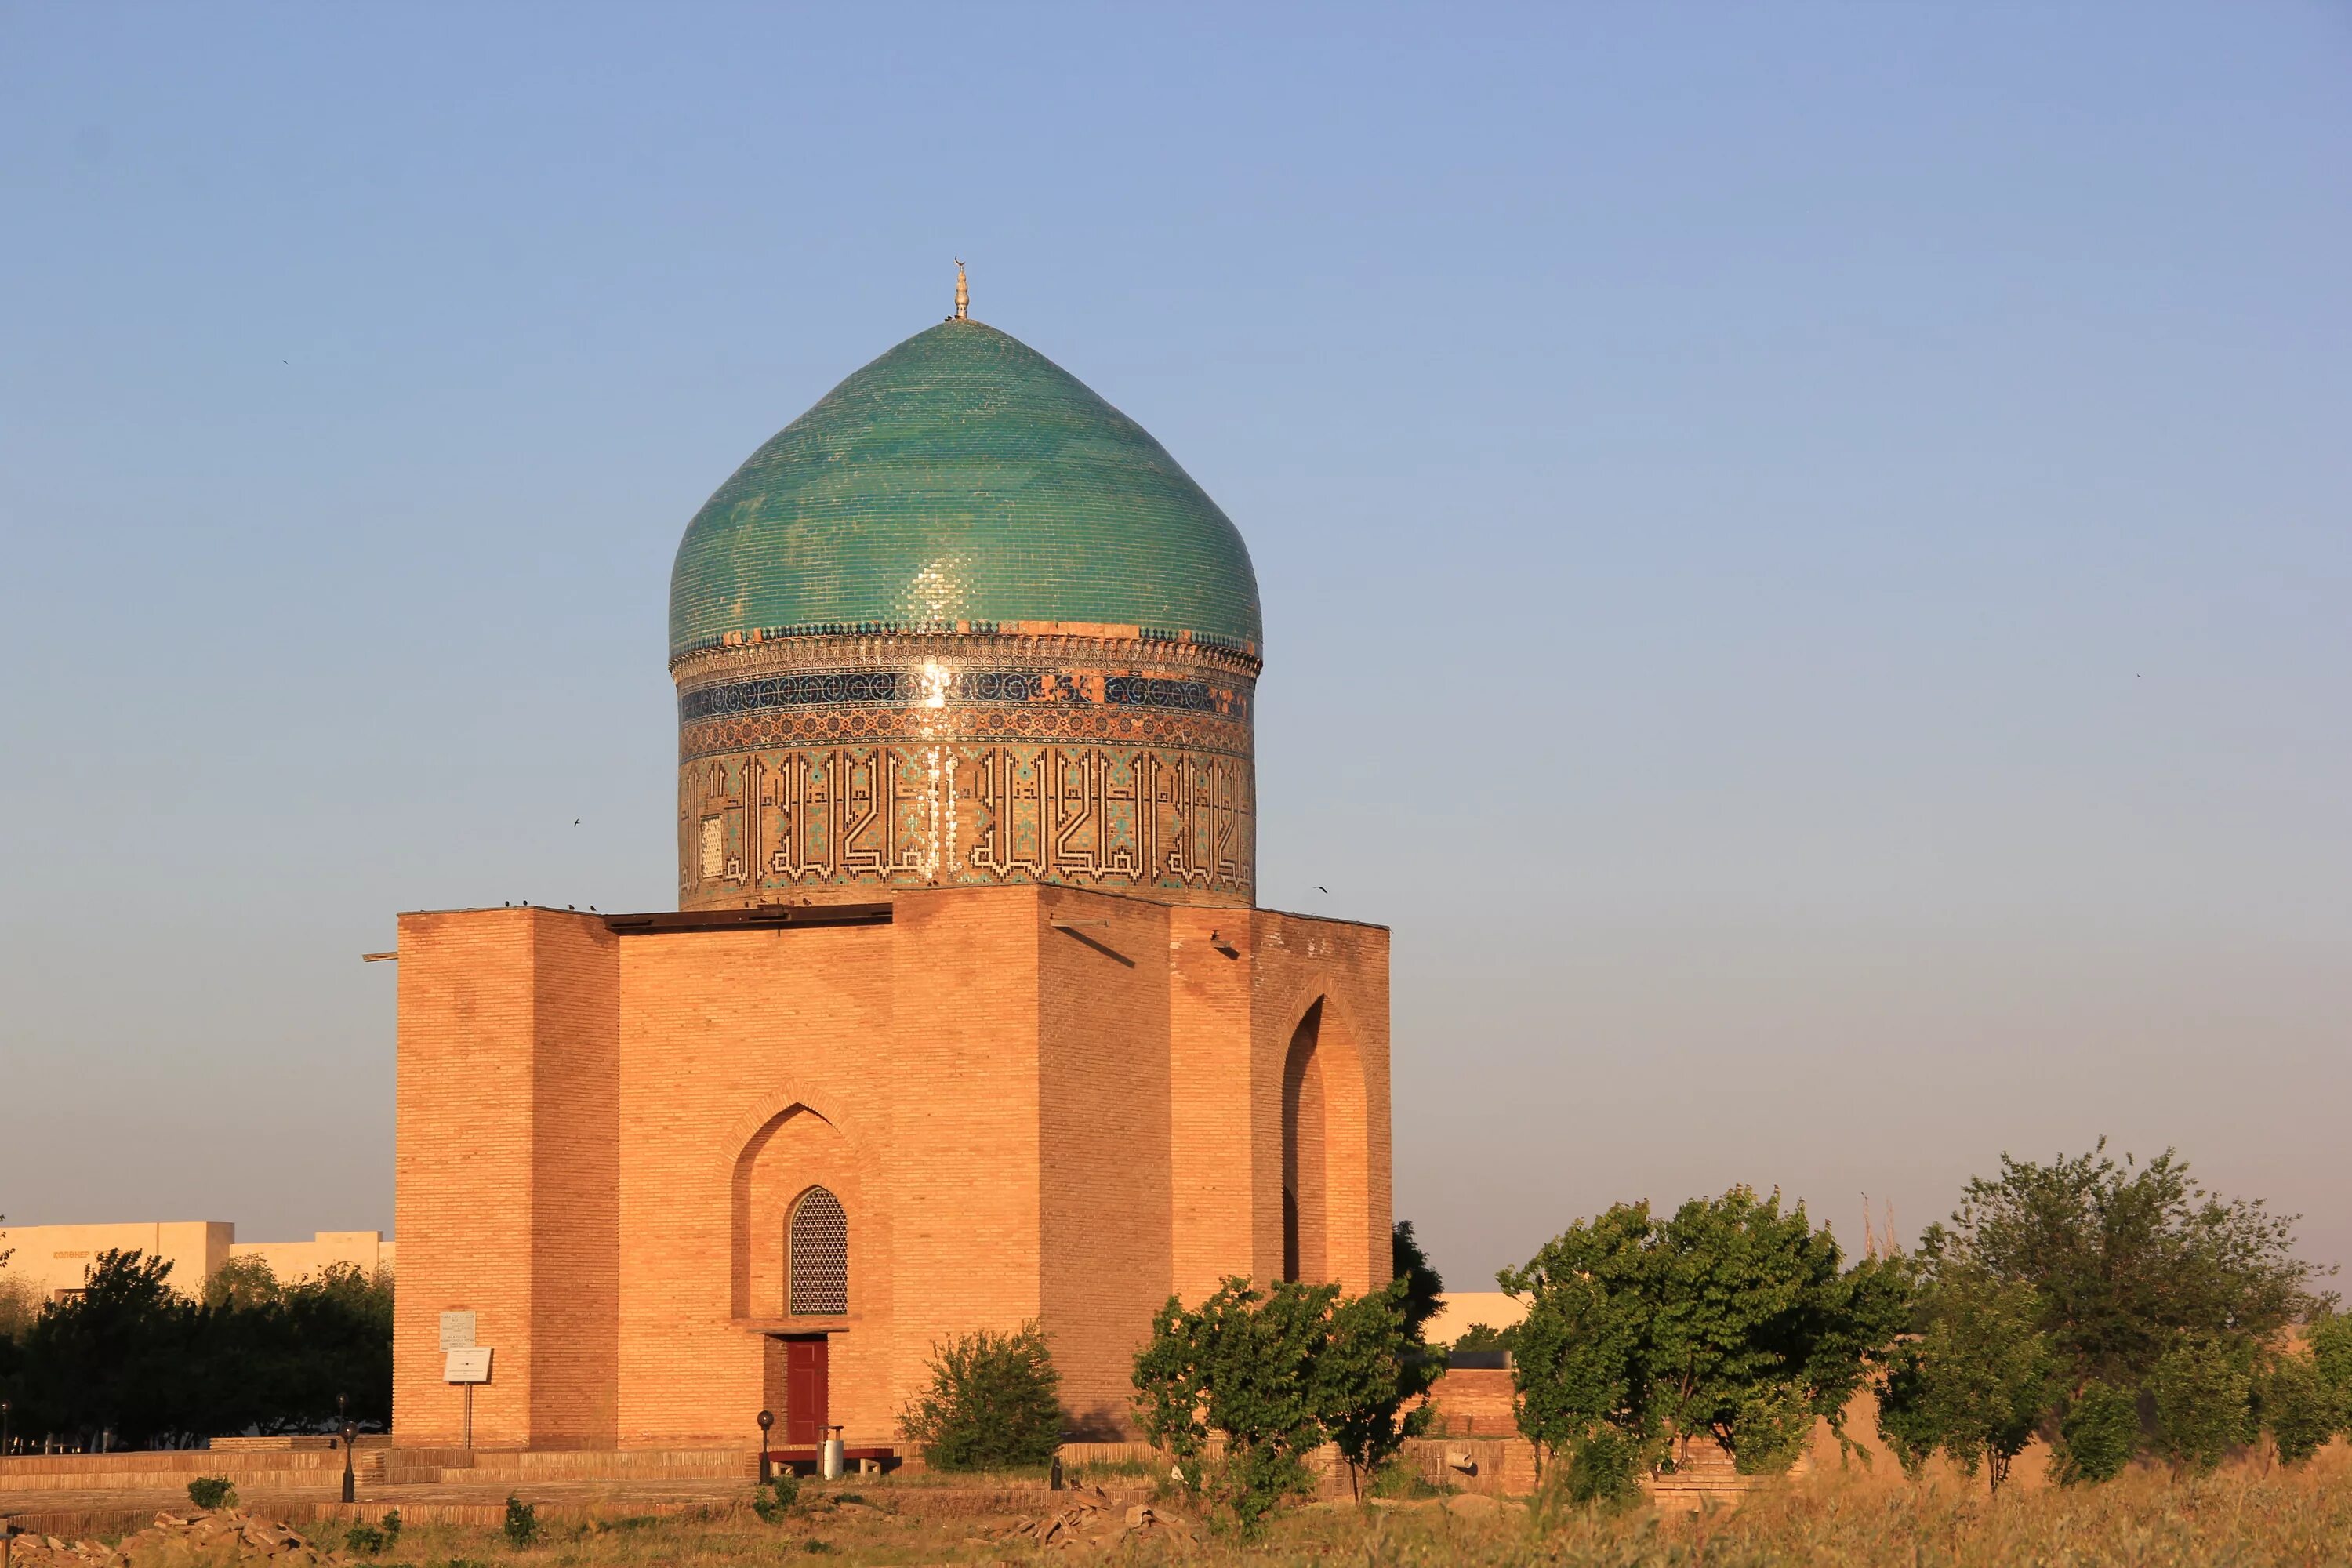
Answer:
(1244, 1364)
(1731, 1321)
(2127, 1258)
(20, 1303)
(130, 1355)
(242, 1282)
(1424, 1289)
(2202, 1391)
(1371, 1367)
(2298, 1408)
(995, 1402)
(2098, 1434)
(115, 1358)
(2330, 1338)
(1975, 1383)
(1580, 1355)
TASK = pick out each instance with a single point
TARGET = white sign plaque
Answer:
(456, 1330)
(471, 1364)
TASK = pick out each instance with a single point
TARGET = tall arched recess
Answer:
(790, 1159)
(1326, 1154)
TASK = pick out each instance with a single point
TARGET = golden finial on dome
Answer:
(963, 294)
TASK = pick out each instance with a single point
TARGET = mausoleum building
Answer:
(967, 1015)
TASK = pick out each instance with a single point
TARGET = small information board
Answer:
(471, 1364)
(456, 1330)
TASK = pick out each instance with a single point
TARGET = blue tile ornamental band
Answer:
(897, 687)
(839, 767)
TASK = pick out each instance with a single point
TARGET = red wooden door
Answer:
(804, 1392)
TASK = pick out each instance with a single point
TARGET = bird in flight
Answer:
(575, 822)
(1321, 889)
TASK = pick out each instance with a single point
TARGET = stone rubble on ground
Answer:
(223, 1537)
(1091, 1520)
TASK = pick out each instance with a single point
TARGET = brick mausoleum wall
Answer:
(1473, 1402)
(727, 1036)
(1296, 960)
(463, 1165)
(965, 1138)
(602, 1136)
(1105, 1197)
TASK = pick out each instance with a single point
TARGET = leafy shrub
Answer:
(1399, 1477)
(209, 1492)
(2204, 1404)
(1770, 1431)
(994, 1402)
(1605, 1469)
(816, 1546)
(2331, 1358)
(2099, 1434)
(773, 1501)
(2298, 1408)
(368, 1540)
(1242, 1365)
(521, 1528)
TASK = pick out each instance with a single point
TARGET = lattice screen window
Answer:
(820, 1270)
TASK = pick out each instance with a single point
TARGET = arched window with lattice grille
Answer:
(818, 1234)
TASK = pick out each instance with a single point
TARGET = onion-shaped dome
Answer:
(961, 481)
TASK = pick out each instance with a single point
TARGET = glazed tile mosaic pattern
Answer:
(830, 765)
(963, 479)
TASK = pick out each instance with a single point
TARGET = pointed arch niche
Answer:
(1326, 1154)
(797, 1169)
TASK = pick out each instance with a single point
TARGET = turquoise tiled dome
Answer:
(961, 477)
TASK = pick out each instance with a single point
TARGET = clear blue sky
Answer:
(1806, 550)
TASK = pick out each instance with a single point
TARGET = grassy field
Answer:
(2246, 1515)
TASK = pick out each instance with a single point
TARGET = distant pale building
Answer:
(365, 1250)
(1458, 1311)
(55, 1259)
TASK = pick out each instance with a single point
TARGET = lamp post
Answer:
(767, 1469)
(3, 1429)
(350, 1436)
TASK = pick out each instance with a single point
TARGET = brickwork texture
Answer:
(1031, 1102)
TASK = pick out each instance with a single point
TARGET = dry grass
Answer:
(2242, 1517)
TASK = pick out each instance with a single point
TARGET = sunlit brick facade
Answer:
(966, 1019)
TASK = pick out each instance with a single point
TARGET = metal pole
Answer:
(469, 1418)
(767, 1467)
